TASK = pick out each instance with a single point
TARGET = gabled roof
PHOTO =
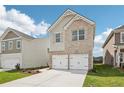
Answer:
(76, 16)
(111, 34)
(108, 38)
(18, 33)
(120, 27)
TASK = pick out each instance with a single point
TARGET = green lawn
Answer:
(12, 75)
(104, 76)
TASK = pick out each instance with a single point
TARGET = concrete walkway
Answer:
(51, 78)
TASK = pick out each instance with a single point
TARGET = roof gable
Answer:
(76, 17)
(14, 34)
(66, 13)
(10, 35)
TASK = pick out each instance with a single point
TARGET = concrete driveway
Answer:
(51, 78)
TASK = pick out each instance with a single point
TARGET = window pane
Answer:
(122, 37)
(81, 37)
(58, 37)
(18, 44)
(3, 46)
(58, 40)
(74, 33)
(10, 46)
(74, 36)
(81, 32)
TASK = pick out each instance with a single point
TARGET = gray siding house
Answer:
(20, 48)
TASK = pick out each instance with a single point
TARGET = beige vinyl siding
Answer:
(35, 53)
(10, 35)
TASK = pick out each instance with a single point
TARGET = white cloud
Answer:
(99, 40)
(15, 19)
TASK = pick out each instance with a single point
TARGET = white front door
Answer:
(60, 61)
(78, 61)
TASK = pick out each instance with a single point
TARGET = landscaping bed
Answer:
(7, 76)
(104, 76)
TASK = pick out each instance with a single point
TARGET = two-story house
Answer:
(20, 48)
(113, 48)
(71, 40)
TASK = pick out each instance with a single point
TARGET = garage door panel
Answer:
(78, 61)
(10, 60)
(60, 62)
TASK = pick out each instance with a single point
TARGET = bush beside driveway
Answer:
(104, 76)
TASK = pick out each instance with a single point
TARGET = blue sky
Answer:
(106, 18)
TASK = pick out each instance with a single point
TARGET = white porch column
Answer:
(118, 57)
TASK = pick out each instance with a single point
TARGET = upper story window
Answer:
(78, 35)
(58, 37)
(18, 44)
(10, 45)
(122, 37)
(3, 46)
(74, 36)
(81, 35)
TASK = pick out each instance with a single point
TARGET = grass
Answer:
(104, 76)
(11, 75)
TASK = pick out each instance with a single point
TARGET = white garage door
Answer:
(10, 60)
(78, 61)
(60, 61)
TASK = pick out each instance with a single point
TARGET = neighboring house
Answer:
(71, 42)
(17, 47)
(113, 48)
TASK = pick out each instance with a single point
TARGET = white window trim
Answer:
(12, 39)
(10, 48)
(121, 41)
(3, 47)
(79, 35)
(17, 44)
(61, 38)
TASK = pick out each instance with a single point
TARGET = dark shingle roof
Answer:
(121, 27)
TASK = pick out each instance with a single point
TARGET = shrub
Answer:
(17, 66)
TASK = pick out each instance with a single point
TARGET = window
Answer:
(3, 46)
(74, 36)
(122, 37)
(58, 37)
(78, 35)
(18, 44)
(81, 35)
(10, 45)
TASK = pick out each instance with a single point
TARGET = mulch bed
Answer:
(31, 71)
